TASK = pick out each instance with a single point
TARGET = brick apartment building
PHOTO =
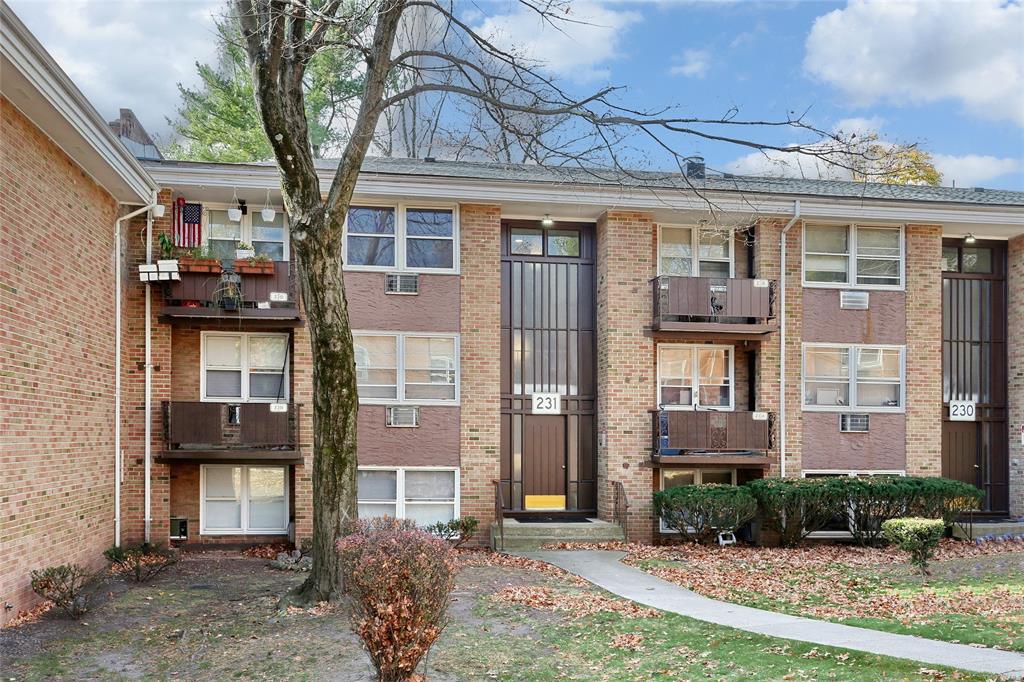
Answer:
(566, 335)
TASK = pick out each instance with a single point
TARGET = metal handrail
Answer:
(621, 505)
(499, 514)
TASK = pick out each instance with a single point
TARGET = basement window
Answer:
(423, 495)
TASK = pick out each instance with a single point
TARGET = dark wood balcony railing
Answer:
(202, 294)
(682, 432)
(198, 426)
(708, 304)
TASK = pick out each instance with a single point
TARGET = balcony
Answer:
(197, 431)
(268, 299)
(709, 437)
(740, 308)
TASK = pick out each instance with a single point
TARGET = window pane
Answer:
(878, 362)
(268, 514)
(223, 383)
(272, 250)
(266, 482)
(826, 268)
(266, 385)
(370, 511)
(376, 366)
(714, 365)
(423, 352)
(221, 249)
(429, 253)
(219, 227)
(430, 392)
(428, 222)
(268, 231)
(977, 260)
(429, 485)
(827, 239)
(950, 259)
(878, 242)
(222, 515)
(676, 372)
(267, 505)
(827, 362)
(267, 352)
(878, 395)
(714, 244)
(676, 251)
(874, 271)
(367, 220)
(377, 485)
(714, 269)
(426, 514)
(719, 477)
(674, 478)
(826, 393)
(563, 243)
(224, 351)
(527, 242)
(224, 482)
(371, 251)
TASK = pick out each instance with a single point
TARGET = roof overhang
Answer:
(32, 81)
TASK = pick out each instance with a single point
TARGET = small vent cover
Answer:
(403, 416)
(853, 300)
(401, 283)
(853, 423)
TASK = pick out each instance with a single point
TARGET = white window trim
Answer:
(400, 238)
(851, 264)
(400, 488)
(696, 378)
(400, 398)
(695, 248)
(850, 473)
(698, 478)
(243, 530)
(285, 397)
(854, 349)
(245, 233)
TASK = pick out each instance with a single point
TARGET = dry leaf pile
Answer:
(577, 604)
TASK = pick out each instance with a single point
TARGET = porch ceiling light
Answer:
(547, 221)
(267, 213)
(969, 239)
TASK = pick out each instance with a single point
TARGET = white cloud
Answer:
(918, 52)
(773, 163)
(590, 38)
(695, 64)
(973, 170)
(126, 53)
(859, 126)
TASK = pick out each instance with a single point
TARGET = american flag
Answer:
(188, 219)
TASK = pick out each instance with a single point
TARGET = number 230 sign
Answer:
(546, 403)
(962, 410)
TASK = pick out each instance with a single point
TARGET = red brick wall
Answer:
(1015, 364)
(480, 432)
(625, 365)
(57, 351)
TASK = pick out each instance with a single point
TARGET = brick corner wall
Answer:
(1015, 370)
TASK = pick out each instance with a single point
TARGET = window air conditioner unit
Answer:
(853, 300)
(403, 416)
(853, 423)
(401, 283)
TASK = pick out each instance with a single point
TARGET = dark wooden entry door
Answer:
(974, 367)
(548, 345)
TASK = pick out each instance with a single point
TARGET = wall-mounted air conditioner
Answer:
(401, 283)
(853, 300)
(403, 416)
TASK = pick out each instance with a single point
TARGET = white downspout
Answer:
(149, 381)
(117, 367)
(782, 340)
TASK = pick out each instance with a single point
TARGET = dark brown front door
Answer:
(974, 367)
(548, 346)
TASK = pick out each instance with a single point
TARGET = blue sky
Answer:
(946, 75)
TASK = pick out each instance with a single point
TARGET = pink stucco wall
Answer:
(434, 309)
(885, 321)
(435, 442)
(881, 448)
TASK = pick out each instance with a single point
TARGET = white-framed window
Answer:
(695, 251)
(417, 368)
(861, 256)
(222, 236)
(243, 499)
(674, 478)
(243, 367)
(837, 378)
(841, 526)
(402, 237)
(424, 494)
(695, 376)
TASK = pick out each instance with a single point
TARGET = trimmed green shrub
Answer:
(140, 562)
(942, 498)
(795, 507)
(870, 500)
(919, 537)
(700, 512)
(456, 531)
(70, 587)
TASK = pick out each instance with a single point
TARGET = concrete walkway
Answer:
(604, 569)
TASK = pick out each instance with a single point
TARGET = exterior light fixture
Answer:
(267, 213)
(546, 221)
(235, 212)
(969, 239)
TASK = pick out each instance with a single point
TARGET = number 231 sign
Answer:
(546, 403)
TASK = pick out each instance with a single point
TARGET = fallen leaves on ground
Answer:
(486, 557)
(269, 551)
(29, 615)
(318, 609)
(575, 603)
(630, 641)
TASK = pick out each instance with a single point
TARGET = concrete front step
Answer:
(530, 536)
(990, 530)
